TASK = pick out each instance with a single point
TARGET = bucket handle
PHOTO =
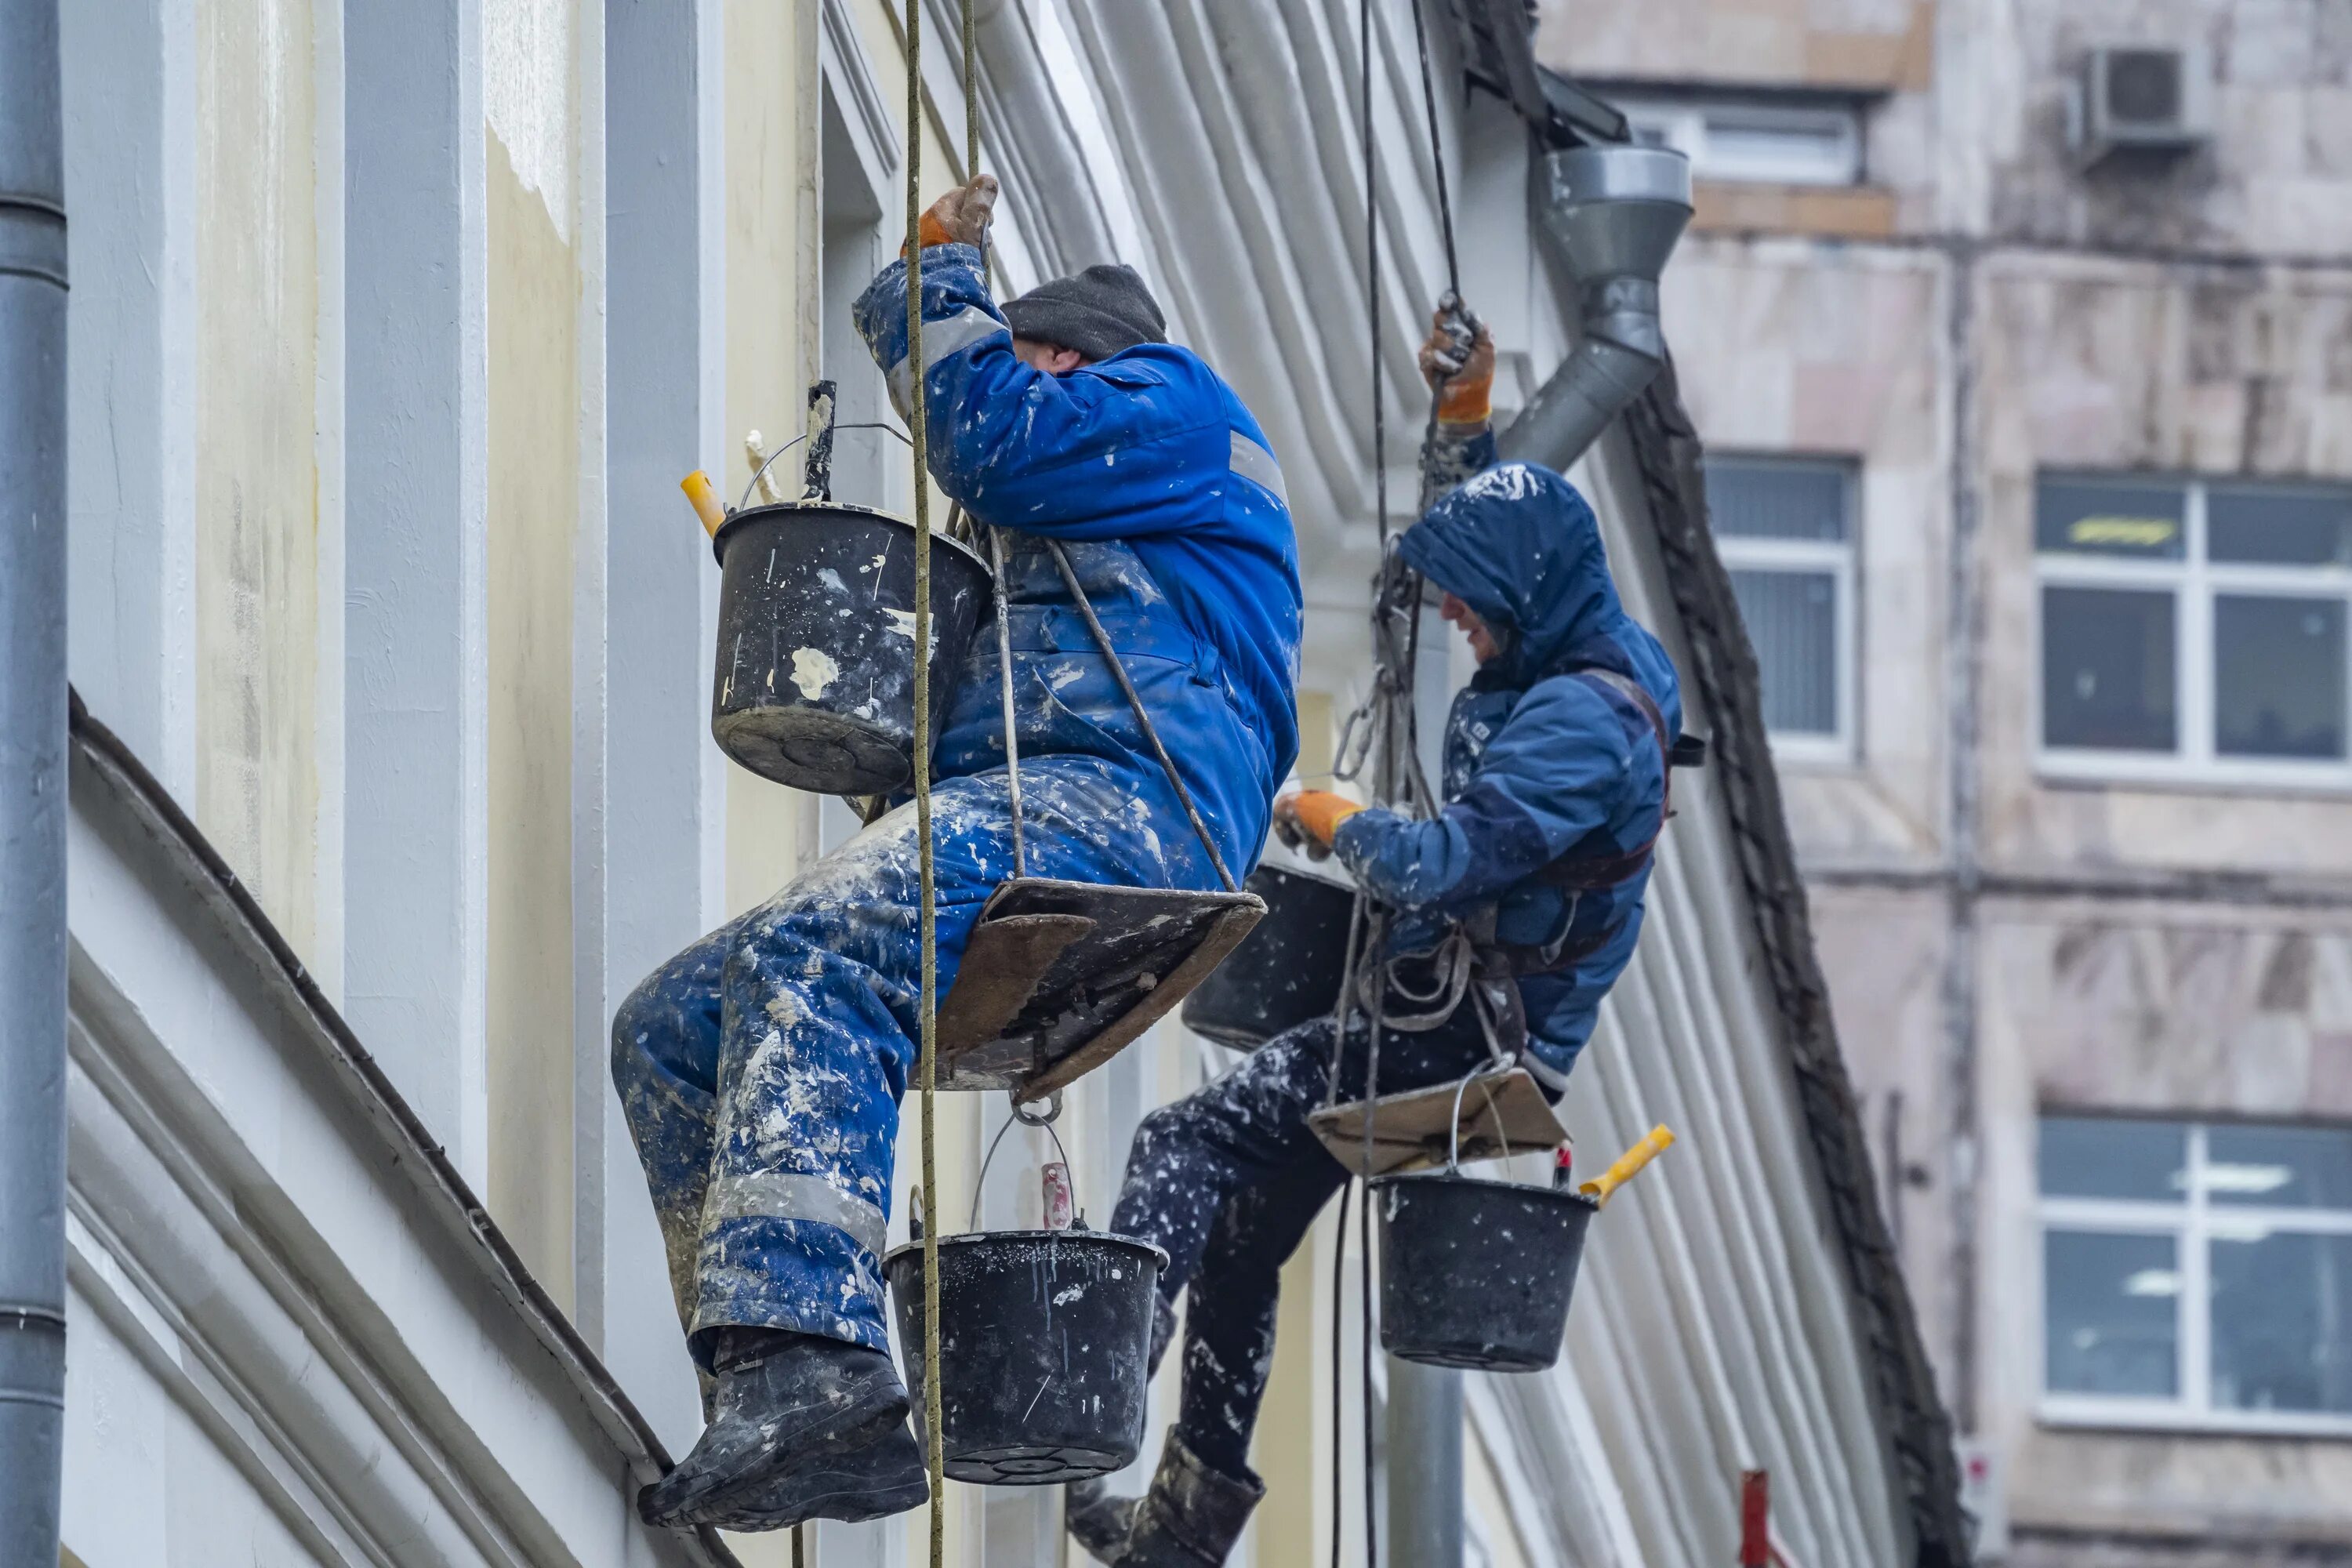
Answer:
(1453, 1145)
(1027, 1118)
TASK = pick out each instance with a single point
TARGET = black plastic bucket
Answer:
(1046, 1335)
(1290, 966)
(1287, 969)
(815, 684)
(1477, 1274)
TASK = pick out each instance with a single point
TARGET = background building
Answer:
(2021, 335)
(393, 328)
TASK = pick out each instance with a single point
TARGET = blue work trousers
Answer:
(762, 1068)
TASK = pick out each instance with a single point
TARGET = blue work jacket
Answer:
(1148, 469)
(1542, 763)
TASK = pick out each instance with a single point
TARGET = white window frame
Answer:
(2194, 582)
(1683, 124)
(2192, 1223)
(1841, 560)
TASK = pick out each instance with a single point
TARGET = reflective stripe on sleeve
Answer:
(949, 334)
(1254, 463)
(781, 1194)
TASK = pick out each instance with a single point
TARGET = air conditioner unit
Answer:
(2140, 98)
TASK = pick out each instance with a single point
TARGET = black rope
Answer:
(1372, 280)
(1364, 1285)
(1436, 153)
(1338, 1359)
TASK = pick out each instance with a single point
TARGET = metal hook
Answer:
(1027, 1118)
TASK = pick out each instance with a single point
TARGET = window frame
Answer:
(2191, 1224)
(2194, 582)
(1841, 560)
(1681, 123)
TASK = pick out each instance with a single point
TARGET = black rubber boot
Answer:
(1099, 1519)
(786, 1401)
(873, 1482)
(1191, 1516)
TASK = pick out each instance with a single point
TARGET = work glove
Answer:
(1309, 818)
(1457, 360)
(961, 217)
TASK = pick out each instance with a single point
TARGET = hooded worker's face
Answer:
(1472, 625)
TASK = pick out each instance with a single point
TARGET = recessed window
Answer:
(2195, 630)
(2197, 1274)
(1760, 140)
(1784, 529)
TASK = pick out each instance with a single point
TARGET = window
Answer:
(2197, 1275)
(2194, 630)
(1784, 528)
(1759, 141)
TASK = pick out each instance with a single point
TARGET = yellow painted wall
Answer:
(534, 303)
(773, 230)
(257, 479)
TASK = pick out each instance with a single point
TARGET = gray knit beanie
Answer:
(1100, 312)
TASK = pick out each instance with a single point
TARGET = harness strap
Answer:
(1585, 873)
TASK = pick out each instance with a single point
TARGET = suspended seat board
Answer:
(1057, 977)
(1500, 1111)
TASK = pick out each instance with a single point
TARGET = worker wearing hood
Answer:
(1555, 789)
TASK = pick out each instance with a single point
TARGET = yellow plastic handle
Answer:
(1629, 1164)
(705, 497)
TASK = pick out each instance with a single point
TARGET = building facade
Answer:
(394, 327)
(2020, 335)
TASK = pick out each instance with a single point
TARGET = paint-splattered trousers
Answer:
(1228, 1180)
(761, 1069)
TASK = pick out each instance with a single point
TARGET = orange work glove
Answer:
(1307, 819)
(1457, 360)
(961, 217)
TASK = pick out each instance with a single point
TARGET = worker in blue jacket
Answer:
(762, 1069)
(1555, 789)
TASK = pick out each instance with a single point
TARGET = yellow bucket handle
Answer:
(1629, 1164)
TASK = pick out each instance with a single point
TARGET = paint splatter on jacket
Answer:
(1541, 762)
(1162, 483)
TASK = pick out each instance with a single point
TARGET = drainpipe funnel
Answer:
(1611, 215)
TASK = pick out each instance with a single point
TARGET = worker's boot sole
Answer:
(873, 1482)
(795, 1407)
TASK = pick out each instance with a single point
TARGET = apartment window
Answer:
(2194, 630)
(1760, 140)
(2197, 1275)
(1784, 528)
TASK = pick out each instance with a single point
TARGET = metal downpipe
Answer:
(1424, 1469)
(1611, 216)
(31, 785)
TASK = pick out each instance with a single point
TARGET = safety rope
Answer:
(1389, 741)
(918, 427)
(1436, 153)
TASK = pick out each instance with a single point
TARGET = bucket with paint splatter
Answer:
(1476, 1274)
(814, 685)
(1045, 1342)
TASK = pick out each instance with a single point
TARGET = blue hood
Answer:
(1519, 545)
